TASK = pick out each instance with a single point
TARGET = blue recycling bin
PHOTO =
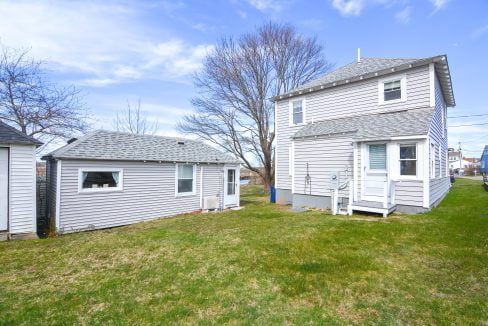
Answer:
(272, 195)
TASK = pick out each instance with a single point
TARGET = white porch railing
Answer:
(387, 197)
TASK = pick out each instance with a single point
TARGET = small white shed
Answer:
(17, 183)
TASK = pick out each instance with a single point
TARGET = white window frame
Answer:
(120, 185)
(290, 111)
(432, 161)
(403, 88)
(183, 194)
(409, 177)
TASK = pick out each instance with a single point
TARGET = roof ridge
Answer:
(145, 135)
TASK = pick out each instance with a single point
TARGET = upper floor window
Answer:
(392, 89)
(408, 159)
(297, 112)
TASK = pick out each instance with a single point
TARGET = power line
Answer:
(468, 125)
(467, 116)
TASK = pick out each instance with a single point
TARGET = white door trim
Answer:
(365, 169)
(231, 200)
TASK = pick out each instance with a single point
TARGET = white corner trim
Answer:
(34, 191)
(355, 171)
(201, 187)
(432, 84)
(426, 176)
(292, 166)
(290, 111)
(58, 194)
(276, 145)
(183, 194)
(381, 88)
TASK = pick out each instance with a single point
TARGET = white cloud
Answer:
(266, 5)
(479, 32)
(242, 14)
(404, 15)
(439, 4)
(349, 7)
(102, 41)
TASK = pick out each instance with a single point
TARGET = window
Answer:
(377, 157)
(297, 112)
(408, 160)
(432, 160)
(392, 90)
(100, 180)
(231, 182)
(185, 178)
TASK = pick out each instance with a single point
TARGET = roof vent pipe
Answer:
(72, 140)
(359, 55)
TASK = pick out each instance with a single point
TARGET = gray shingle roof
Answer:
(354, 69)
(373, 67)
(373, 126)
(10, 135)
(117, 146)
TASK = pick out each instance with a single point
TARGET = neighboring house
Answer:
(107, 179)
(458, 162)
(369, 136)
(17, 183)
(484, 161)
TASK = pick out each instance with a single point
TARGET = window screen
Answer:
(377, 157)
(297, 112)
(95, 179)
(185, 178)
(408, 159)
(392, 90)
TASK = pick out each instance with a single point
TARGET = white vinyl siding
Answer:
(338, 102)
(439, 181)
(22, 208)
(149, 193)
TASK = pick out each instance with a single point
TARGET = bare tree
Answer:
(233, 110)
(135, 121)
(29, 102)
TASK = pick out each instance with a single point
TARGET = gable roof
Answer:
(10, 135)
(379, 126)
(118, 146)
(374, 67)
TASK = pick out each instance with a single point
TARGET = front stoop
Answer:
(373, 207)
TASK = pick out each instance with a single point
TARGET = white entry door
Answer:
(3, 189)
(230, 188)
(375, 170)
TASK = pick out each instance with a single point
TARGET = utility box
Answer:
(334, 180)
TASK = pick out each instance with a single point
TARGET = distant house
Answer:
(17, 183)
(251, 177)
(457, 162)
(108, 179)
(369, 136)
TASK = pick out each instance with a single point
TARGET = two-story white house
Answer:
(369, 136)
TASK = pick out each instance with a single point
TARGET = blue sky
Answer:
(122, 50)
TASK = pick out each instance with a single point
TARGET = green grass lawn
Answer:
(260, 265)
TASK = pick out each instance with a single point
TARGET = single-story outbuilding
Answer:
(107, 179)
(17, 183)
